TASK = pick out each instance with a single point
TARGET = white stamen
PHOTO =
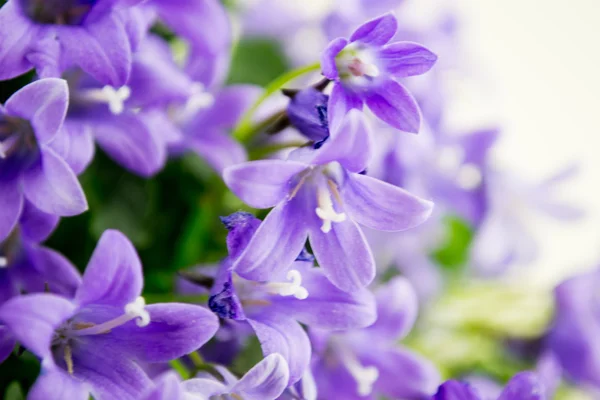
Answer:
(114, 98)
(469, 177)
(7, 145)
(137, 310)
(293, 288)
(325, 210)
(199, 100)
(133, 310)
(3, 262)
(365, 377)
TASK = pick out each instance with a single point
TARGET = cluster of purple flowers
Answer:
(329, 281)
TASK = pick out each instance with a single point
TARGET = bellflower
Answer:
(368, 363)
(366, 67)
(503, 238)
(95, 35)
(307, 112)
(523, 386)
(129, 122)
(30, 168)
(274, 306)
(321, 194)
(573, 336)
(91, 344)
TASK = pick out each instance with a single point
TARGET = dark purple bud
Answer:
(308, 113)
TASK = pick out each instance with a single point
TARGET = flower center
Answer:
(59, 12)
(292, 288)
(71, 330)
(18, 144)
(356, 64)
(113, 98)
(200, 99)
(365, 376)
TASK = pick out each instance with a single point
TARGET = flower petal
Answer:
(420, 375)
(174, 330)
(392, 103)
(265, 381)
(281, 334)
(341, 101)
(17, 34)
(402, 59)
(344, 254)
(44, 104)
(263, 183)
(326, 306)
(52, 186)
(168, 387)
(376, 32)
(229, 105)
(113, 275)
(455, 390)
(397, 310)
(381, 206)
(350, 145)
(36, 225)
(328, 65)
(7, 343)
(523, 386)
(100, 48)
(75, 144)
(54, 384)
(204, 388)
(275, 244)
(32, 319)
(218, 149)
(11, 199)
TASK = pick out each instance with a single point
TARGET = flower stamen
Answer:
(325, 210)
(68, 357)
(114, 98)
(3, 262)
(365, 377)
(292, 288)
(134, 310)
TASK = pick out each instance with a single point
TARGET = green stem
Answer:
(166, 298)
(244, 130)
(178, 366)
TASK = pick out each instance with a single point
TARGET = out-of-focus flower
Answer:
(323, 195)
(30, 168)
(274, 306)
(366, 67)
(90, 344)
(523, 386)
(367, 363)
(95, 35)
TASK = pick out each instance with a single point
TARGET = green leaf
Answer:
(454, 253)
(14, 392)
(257, 61)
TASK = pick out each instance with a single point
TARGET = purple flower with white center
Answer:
(573, 336)
(366, 67)
(95, 35)
(95, 342)
(30, 169)
(368, 363)
(265, 381)
(503, 238)
(321, 194)
(275, 306)
(523, 386)
(129, 122)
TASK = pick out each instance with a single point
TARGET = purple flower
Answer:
(323, 195)
(523, 386)
(274, 306)
(30, 168)
(265, 381)
(95, 35)
(91, 344)
(573, 337)
(368, 363)
(307, 111)
(503, 238)
(365, 69)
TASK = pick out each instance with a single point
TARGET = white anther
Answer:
(3, 262)
(137, 309)
(325, 210)
(7, 145)
(200, 99)
(469, 177)
(365, 377)
(116, 98)
(294, 288)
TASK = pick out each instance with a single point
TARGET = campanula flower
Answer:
(368, 363)
(94, 342)
(365, 69)
(273, 307)
(95, 35)
(523, 386)
(30, 167)
(323, 195)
